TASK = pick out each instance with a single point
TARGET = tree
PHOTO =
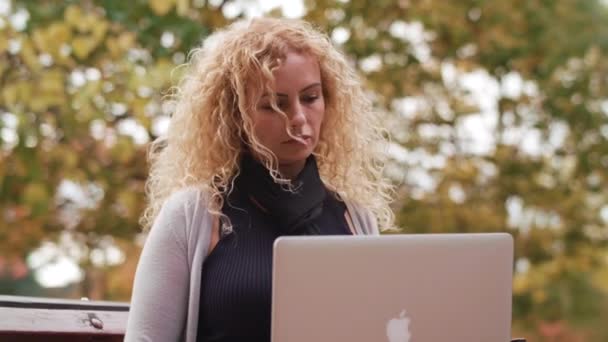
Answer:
(82, 85)
(540, 172)
(498, 113)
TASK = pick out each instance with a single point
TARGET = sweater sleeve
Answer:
(363, 219)
(160, 290)
(371, 222)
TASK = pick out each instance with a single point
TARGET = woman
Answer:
(272, 135)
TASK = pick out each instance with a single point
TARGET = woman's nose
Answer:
(298, 117)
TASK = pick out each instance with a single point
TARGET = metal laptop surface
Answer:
(396, 288)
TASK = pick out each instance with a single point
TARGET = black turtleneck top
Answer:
(236, 293)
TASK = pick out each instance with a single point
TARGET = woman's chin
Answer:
(294, 158)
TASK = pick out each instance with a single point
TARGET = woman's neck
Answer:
(292, 209)
(291, 170)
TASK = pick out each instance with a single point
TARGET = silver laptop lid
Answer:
(397, 288)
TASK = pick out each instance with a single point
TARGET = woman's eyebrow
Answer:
(301, 90)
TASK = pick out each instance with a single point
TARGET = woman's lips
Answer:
(305, 140)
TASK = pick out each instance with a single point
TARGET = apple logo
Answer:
(398, 329)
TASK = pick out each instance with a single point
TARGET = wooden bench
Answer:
(31, 319)
(49, 320)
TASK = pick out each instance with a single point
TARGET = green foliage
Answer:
(71, 80)
(80, 71)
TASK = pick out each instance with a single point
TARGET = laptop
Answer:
(394, 288)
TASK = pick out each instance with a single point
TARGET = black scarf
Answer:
(294, 212)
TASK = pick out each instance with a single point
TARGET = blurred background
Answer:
(498, 112)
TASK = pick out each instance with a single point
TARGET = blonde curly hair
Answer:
(211, 124)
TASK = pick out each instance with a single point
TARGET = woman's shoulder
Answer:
(190, 195)
(182, 210)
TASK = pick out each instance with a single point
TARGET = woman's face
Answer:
(300, 95)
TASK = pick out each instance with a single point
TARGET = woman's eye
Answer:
(268, 107)
(311, 98)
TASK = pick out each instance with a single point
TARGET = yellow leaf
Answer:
(124, 150)
(60, 32)
(24, 91)
(82, 46)
(85, 24)
(10, 94)
(69, 158)
(52, 81)
(118, 45)
(161, 7)
(520, 284)
(3, 45)
(49, 91)
(40, 40)
(3, 66)
(182, 7)
(72, 15)
(28, 53)
(35, 193)
(128, 201)
(539, 296)
(126, 40)
(52, 38)
(39, 103)
(99, 29)
(89, 22)
(16, 93)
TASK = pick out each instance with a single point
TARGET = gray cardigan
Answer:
(165, 300)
